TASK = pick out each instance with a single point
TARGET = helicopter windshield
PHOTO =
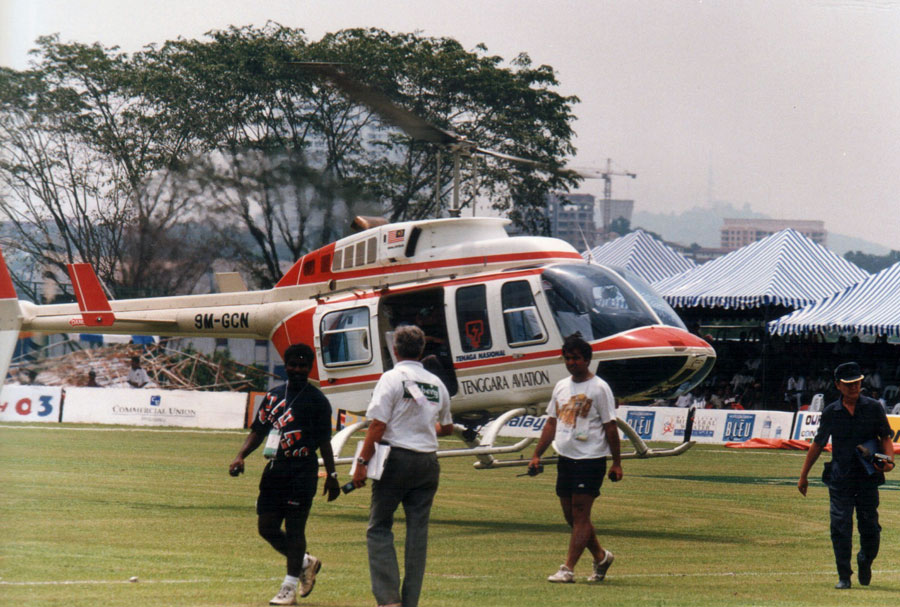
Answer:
(593, 301)
(662, 308)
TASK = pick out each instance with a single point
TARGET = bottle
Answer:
(767, 427)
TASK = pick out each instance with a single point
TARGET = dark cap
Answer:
(848, 373)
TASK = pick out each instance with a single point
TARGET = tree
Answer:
(620, 225)
(83, 142)
(107, 158)
(510, 109)
(872, 263)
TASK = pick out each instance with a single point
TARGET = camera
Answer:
(533, 471)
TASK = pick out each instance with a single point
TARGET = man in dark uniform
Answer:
(295, 420)
(852, 475)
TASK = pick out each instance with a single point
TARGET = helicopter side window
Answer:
(472, 318)
(520, 316)
(345, 338)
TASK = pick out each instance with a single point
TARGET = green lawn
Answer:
(82, 509)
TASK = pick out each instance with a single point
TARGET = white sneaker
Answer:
(308, 576)
(286, 596)
(601, 567)
(563, 576)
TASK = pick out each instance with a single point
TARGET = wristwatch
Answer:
(333, 474)
(362, 462)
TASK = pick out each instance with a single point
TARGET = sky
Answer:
(791, 107)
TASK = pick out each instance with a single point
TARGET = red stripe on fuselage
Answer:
(643, 337)
(322, 277)
(437, 282)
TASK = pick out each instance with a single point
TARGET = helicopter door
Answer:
(522, 324)
(348, 365)
(425, 309)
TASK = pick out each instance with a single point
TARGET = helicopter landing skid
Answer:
(484, 449)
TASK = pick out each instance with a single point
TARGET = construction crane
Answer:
(606, 176)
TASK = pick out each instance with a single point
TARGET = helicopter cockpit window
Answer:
(662, 308)
(345, 338)
(520, 316)
(593, 301)
(472, 318)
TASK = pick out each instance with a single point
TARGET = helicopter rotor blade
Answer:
(510, 157)
(411, 124)
(592, 173)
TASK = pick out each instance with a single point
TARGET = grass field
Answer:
(85, 508)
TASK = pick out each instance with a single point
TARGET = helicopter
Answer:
(495, 309)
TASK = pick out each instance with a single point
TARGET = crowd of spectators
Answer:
(787, 373)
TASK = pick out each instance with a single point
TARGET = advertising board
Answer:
(181, 408)
(30, 403)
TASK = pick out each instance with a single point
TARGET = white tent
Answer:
(643, 254)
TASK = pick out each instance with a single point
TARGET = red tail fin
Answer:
(7, 290)
(92, 301)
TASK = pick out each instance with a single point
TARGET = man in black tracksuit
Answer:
(851, 475)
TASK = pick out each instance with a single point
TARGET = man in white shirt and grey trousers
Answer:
(410, 408)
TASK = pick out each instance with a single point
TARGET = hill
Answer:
(702, 225)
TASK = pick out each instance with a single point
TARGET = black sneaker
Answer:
(842, 585)
(865, 571)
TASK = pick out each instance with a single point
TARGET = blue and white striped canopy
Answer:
(871, 307)
(644, 255)
(785, 269)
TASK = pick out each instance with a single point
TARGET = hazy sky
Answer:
(792, 107)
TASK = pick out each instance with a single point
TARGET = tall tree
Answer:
(511, 109)
(83, 145)
(227, 133)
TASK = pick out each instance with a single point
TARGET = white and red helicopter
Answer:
(494, 307)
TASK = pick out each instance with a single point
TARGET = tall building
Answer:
(737, 233)
(572, 218)
(616, 209)
(580, 218)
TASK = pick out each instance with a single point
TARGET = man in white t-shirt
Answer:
(410, 408)
(137, 377)
(581, 417)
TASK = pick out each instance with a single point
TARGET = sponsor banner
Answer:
(808, 424)
(642, 422)
(524, 426)
(710, 425)
(30, 403)
(253, 403)
(150, 407)
(894, 421)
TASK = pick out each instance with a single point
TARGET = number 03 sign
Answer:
(30, 403)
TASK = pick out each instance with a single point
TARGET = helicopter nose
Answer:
(663, 360)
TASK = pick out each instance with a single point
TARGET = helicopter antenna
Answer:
(586, 247)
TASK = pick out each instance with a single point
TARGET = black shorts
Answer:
(584, 476)
(288, 485)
